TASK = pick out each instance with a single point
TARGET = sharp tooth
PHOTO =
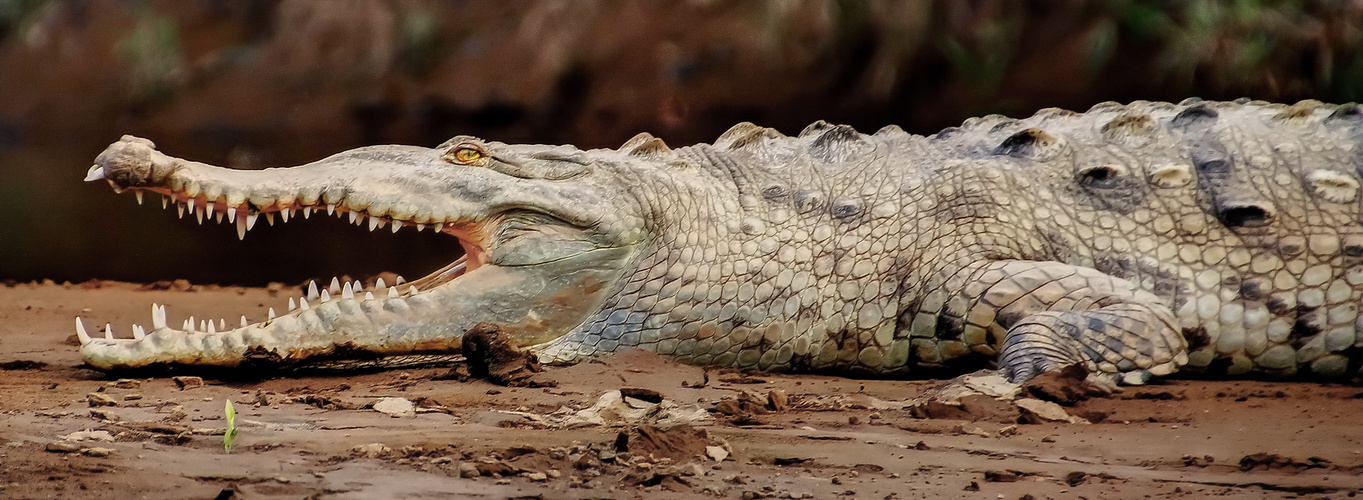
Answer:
(205, 326)
(251, 220)
(331, 208)
(285, 214)
(222, 323)
(165, 202)
(303, 304)
(397, 224)
(138, 332)
(180, 209)
(232, 214)
(211, 330)
(80, 332)
(96, 173)
(188, 326)
(292, 305)
(375, 222)
(270, 315)
(368, 296)
(400, 280)
(158, 317)
(347, 292)
(307, 212)
(438, 226)
(312, 290)
(108, 331)
(335, 285)
(326, 296)
(208, 207)
(354, 216)
(420, 227)
(199, 214)
(356, 286)
(138, 194)
(191, 204)
(219, 216)
(243, 321)
(393, 292)
(411, 290)
(241, 229)
(379, 284)
(269, 217)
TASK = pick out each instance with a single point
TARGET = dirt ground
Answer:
(73, 432)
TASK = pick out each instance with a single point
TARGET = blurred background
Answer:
(255, 83)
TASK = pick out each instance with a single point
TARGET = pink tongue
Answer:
(475, 254)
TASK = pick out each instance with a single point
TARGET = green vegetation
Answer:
(230, 437)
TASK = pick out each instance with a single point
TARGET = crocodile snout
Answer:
(130, 162)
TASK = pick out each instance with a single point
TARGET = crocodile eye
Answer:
(465, 155)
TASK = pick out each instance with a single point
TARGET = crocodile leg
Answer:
(1057, 314)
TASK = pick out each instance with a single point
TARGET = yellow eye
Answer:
(467, 155)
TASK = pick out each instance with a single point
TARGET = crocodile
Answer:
(1138, 240)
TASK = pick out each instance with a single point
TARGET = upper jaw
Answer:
(538, 286)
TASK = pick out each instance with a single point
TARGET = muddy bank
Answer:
(634, 426)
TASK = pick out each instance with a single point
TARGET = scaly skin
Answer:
(1136, 239)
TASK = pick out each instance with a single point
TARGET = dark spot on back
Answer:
(949, 327)
(1197, 338)
(1244, 216)
(1307, 325)
(1252, 290)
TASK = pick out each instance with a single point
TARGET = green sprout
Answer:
(230, 436)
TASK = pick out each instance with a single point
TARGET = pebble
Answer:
(59, 447)
(96, 399)
(187, 382)
(467, 469)
(98, 451)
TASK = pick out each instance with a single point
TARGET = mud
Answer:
(632, 426)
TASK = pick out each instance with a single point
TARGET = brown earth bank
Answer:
(635, 425)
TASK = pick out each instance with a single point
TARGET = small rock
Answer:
(96, 399)
(132, 397)
(60, 447)
(371, 450)
(777, 400)
(1036, 411)
(690, 470)
(395, 407)
(98, 451)
(441, 460)
(717, 453)
(188, 382)
(104, 414)
(89, 436)
(467, 470)
(1075, 478)
(537, 476)
(127, 383)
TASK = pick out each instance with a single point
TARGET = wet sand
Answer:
(676, 432)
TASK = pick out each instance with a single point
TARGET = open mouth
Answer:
(246, 213)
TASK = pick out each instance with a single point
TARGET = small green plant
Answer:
(230, 437)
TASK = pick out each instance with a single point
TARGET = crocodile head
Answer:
(546, 232)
